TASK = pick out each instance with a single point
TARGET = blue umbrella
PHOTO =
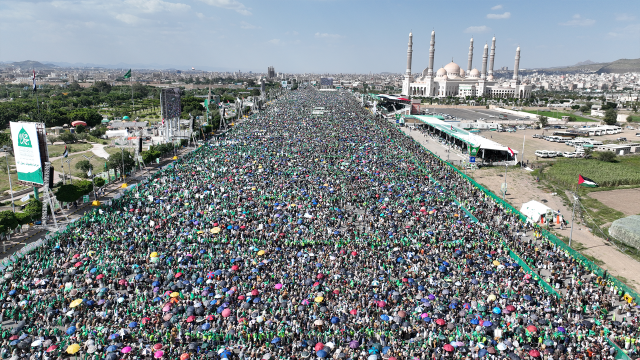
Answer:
(487, 323)
(112, 348)
(71, 330)
(474, 321)
(225, 354)
(335, 320)
(384, 317)
(206, 326)
(275, 340)
(113, 336)
(322, 354)
(482, 352)
(496, 310)
(133, 324)
(527, 297)
(14, 343)
(427, 319)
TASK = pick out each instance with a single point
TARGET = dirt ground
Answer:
(626, 201)
(521, 188)
(531, 144)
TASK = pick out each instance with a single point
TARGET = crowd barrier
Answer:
(622, 288)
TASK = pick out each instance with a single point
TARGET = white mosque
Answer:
(451, 80)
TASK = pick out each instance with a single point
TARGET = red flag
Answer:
(511, 151)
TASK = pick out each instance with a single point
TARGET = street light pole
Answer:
(92, 177)
(6, 157)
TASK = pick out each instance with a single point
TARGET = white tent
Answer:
(533, 210)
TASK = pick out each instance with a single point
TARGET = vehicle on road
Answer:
(542, 153)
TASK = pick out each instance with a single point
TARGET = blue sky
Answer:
(314, 35)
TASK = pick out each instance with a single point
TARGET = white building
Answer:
(451, 80)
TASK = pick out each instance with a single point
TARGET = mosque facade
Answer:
(452, 80)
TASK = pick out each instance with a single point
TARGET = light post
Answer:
(92, 176)
(6, 150)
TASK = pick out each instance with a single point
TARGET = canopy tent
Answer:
(464, 137)
(533, 210)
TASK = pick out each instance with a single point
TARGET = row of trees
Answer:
(10, 220)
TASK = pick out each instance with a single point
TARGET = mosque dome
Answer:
(474, 73)
(452, 69)
(462, 72)
(441, 72)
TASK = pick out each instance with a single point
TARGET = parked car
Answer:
(569, 154)
(537, 136)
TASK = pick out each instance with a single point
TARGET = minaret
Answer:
(407, 76)
(492, 57)
(432, 52)
(483, 74)
(469, 66)
(517, 64)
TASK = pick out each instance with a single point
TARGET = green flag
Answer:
(128, 74)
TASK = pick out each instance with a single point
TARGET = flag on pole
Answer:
(34, 80)
(510, 151)
(128, 74)
(66, 152)
(584, 181)
(89, 173)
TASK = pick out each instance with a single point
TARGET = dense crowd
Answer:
(305, 237)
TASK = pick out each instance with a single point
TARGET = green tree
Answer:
(629, 119)
(8, 221)
(607, 156)
(79, 129)
(610, 116)
(99, 182)
(117, 161)
(68, 137)
(68, 193)
(102, 87)
(5, 139)
(84, 187)
(84, 165)
(543, 120)
(53, 139)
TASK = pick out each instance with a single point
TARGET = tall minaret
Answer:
(483, 74)
(432, 52)
(407, 76)
(492, 57)
(517, 64)
(470, 64)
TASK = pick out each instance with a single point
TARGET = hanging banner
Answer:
(27, 152)
(473, 150)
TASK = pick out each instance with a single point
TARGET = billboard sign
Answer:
(27, 152)
(170, 103)
(472, 159)
(326, 81)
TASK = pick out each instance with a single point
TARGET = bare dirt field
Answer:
(626, 201)
(522, 187)
(514, 141)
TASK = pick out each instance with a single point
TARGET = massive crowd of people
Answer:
(305, 237)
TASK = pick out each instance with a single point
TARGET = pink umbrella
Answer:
(305, 302)
(158, 354)
(125, 349)
(319, 346)
(278, 286)
(424, 315)
(353, 311)
(381, 303)
(166, 308)
(226, 312)
(254, 292)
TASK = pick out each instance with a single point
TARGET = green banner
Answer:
(473, 150)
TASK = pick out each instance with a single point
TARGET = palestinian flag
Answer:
(586, 182)
(66, 152)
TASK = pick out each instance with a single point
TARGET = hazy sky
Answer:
(315, 35)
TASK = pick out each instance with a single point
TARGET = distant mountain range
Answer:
(28, 64)
(615, 67)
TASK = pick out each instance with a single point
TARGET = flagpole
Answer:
(132, 101)
(573, 214)
(524, 137)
